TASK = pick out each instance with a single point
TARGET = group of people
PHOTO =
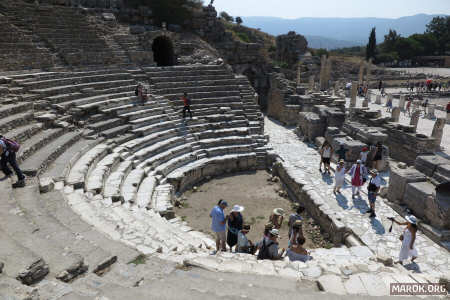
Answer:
(359, 172)
(427, 86)
(268, 247)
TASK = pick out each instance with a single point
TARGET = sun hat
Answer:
(274, 232)
(297, 223)
(411, 219)
(268, 226)
(237, 208)
(374, 171)
(278, 211)
(295, 205)
(342, 161)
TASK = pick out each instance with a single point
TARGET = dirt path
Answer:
(257, 194)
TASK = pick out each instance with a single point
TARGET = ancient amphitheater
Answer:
(96, 220)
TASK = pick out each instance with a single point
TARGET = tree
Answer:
(239, 20)
(224, 15)
(390, 40)
(408, 48)
(439, 27)
(428, 43)
(371, 49)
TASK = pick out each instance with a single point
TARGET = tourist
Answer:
(8, 149)
(296, 252)
(218, 225)
(339, 177)
(389, 104)
(325, 154)
(277, 218)
(363, 155)
(341, 153)
(187, 105)
(425, 105)
(380, 85)
(235, 222)
(269, 247)
(267, 228)
(299, 209)
(378, 157)
(448, 110)
(408, 238)
(297, 230)
(408, 107)
(244, 245)
(372, 190)
(358, 175)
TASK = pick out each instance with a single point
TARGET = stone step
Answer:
(20, 134)
(183, 68)
(10, 109)
(150, 120)
(147, 130)
(164, 85)
(116, 131)
(80, 170)
(197, 78)
(41, 84)
(174, 163)
(97, 177)
(95, 257)
(113, 184)
(158, 147)
(186, 73)
(41, 159)
(20, 228)
(153, 110)
(18, 261)
(203, 95)
(111, 93)
(146, 141)
(77, 87)
(37, 141)
(164, 156)
(59, 168)
(131, 185)
(131, 108)
(109, 103)
(211, 134)
(145, 191)
(106, 124)
(195, 89)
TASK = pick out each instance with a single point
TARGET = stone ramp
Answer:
(303, 170)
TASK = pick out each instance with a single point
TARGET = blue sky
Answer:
(332, 8)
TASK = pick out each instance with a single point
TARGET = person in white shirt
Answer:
(339, 177)
(363, 155)
(373, 188)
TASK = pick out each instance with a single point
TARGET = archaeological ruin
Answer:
(92, 91)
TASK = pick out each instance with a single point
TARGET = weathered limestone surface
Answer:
(438, 131)
(290, 46)
(398, 180)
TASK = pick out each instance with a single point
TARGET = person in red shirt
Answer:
(187, 105)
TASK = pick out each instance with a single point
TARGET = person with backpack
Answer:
(372, 190)
(187, 105)
(8, 150)
(269, 247)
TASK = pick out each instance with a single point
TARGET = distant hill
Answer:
(340, 32)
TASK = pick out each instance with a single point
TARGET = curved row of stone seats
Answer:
(65, 29)
(41, 236)
(18, 51)
(251, 108)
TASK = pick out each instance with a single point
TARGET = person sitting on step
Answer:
(269, 247)
(244, 245)
(296, 252)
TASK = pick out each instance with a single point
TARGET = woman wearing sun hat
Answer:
(408, 238)
(277, 218)
(339, 177)
(235, 222)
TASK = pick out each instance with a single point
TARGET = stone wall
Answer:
(289, 47)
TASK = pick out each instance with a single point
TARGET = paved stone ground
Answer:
(445, 72)
(303, 160)
(425, 125)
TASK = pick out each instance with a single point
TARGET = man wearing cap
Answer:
(269, 247)
(372, 190)
(218, 225)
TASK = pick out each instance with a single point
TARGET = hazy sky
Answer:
(332, 8)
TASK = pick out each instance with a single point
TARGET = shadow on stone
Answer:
(377, 226)
(342, 201)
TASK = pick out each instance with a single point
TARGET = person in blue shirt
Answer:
(218, 221)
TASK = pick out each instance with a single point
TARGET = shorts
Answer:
(220, 236)
(326, 160)
(372, 197)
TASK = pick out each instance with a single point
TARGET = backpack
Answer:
(264, 251)
(11, 145)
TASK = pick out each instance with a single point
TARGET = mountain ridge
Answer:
(337, 32)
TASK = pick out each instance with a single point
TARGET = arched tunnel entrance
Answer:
(163, 52)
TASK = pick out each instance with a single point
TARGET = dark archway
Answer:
(163, 52)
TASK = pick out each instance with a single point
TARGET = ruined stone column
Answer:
(401, 103)
(311, 83)
(354, 93)
(431, 109)
(361, 72)
(328, 73)
(323, 62)
(415, 119)
(299, 74)
(438, 131)
(365, 102)
(378, 100)
(395, 114)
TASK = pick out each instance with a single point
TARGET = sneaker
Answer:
(19, 184)
(369, 211)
